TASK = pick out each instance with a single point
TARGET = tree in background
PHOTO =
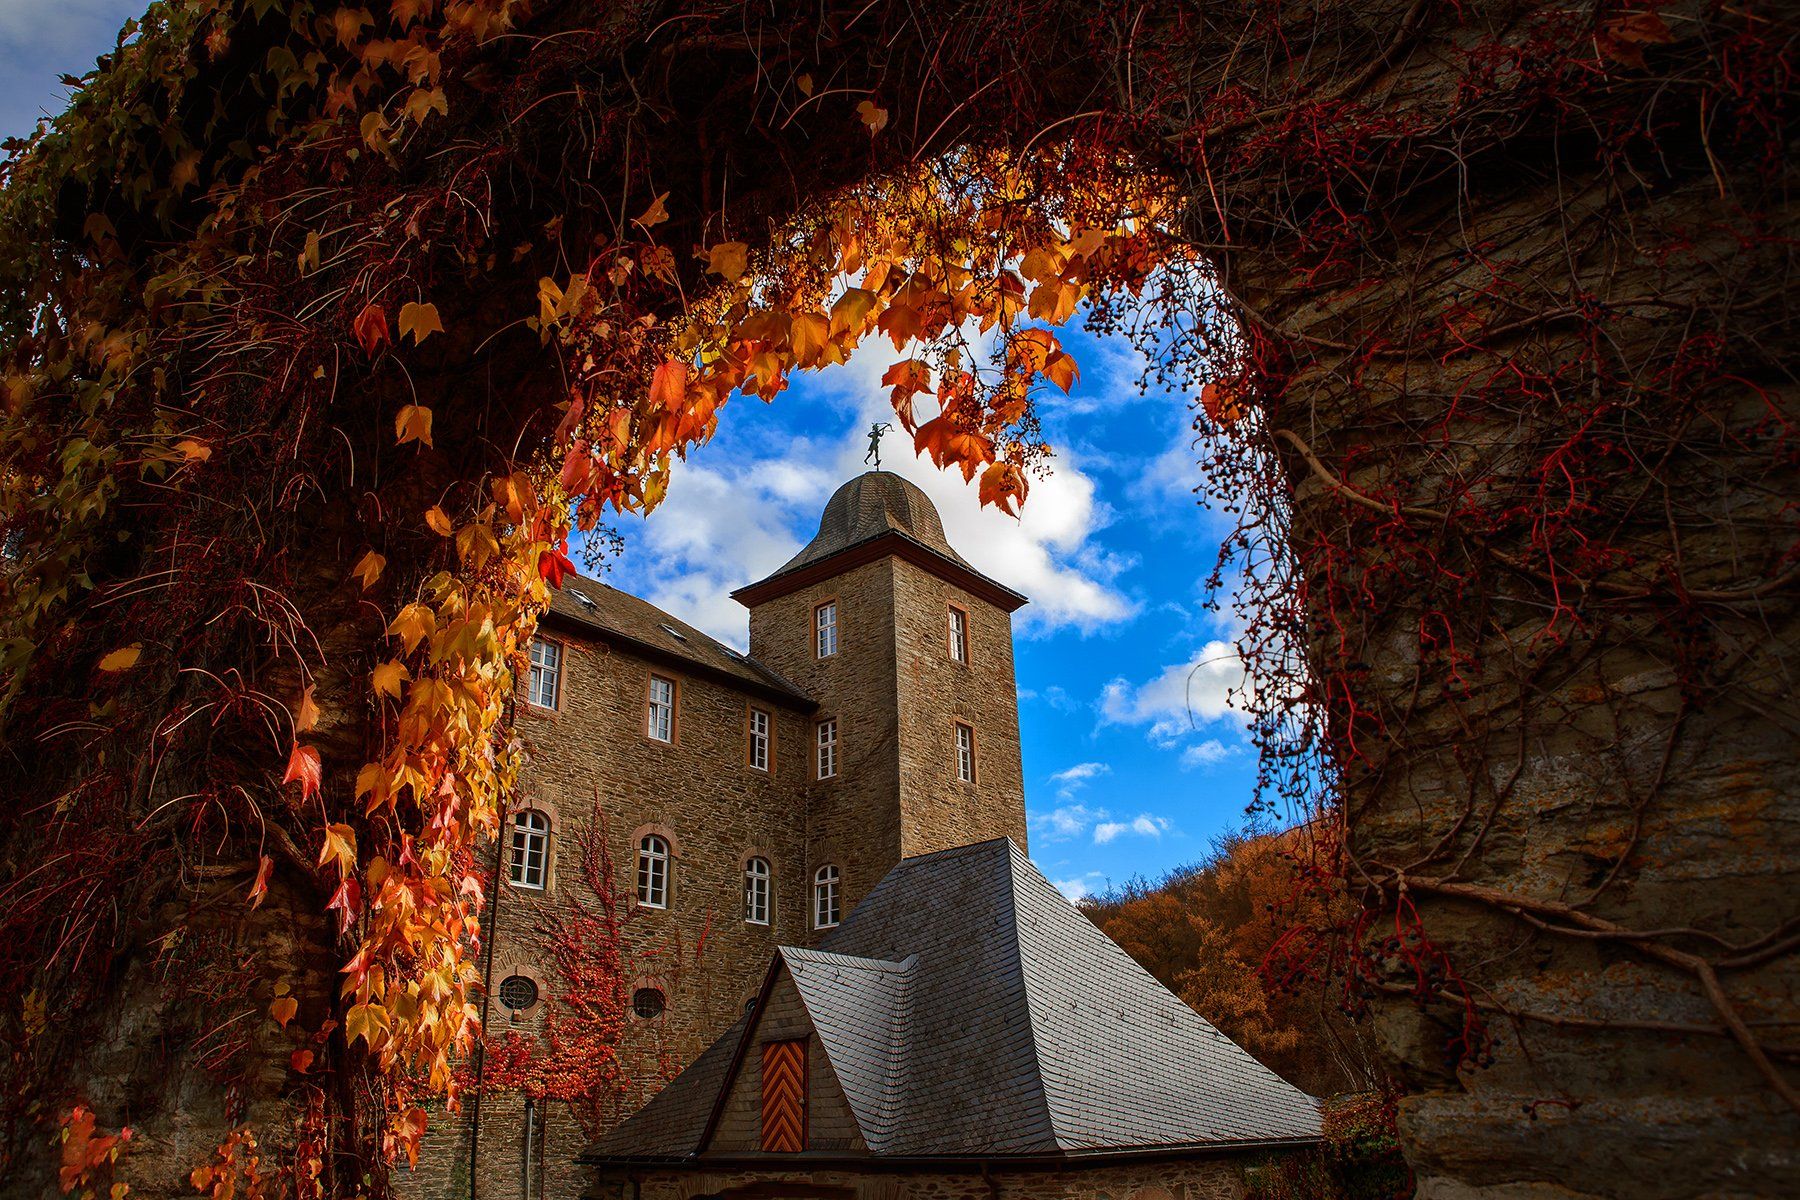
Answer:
(1208, 932)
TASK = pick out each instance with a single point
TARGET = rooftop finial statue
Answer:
(875, 432)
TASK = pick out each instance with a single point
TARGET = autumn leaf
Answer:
(307, 714)
(365, 1021)
(368, 568)
(193, 451)
(577, 469)
(346, 901)
(439, 521)
(260, 888)
(304, 767)
(656, 214)
(283, 1010)
(413, 424)
(729, 259)
(555, 566)
(1003, 485)
(301, 1061)
(668, 386)
(339, 849)
(387, 677)
(851, 312)
(873, 115)
(371, 329)
(122, 659)
(1221, 404)
(810, 333)
(420, 320)
(412, 625)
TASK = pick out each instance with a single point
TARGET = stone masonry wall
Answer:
(938, 810)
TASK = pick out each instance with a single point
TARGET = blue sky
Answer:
(1133, 759)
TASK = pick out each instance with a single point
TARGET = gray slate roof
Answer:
(968, 1010)
(592, 605)
(867, 507)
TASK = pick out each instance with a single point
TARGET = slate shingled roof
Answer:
(969, 1011)
(868, 506)
(592, 605)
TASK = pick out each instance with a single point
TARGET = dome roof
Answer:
(871, 505)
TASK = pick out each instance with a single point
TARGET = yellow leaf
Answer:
(412, 625)
(339, 848)
(387, 678)
(283, 1010)
(193, 451)
(439, 520)
(368, 568)
(851, 312)
(420, 320)
(729, 259)
(873, 115)
(309, 257)
(122, 659)
(809, 333)
(413, 424)
(425, 101)
(805, 84)
(365, 1021)
(307, 715)
(656, 214)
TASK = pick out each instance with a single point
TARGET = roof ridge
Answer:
(1015, 944)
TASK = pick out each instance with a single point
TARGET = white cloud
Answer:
(1067, 821)
(1078, 889)
(1183, 697)
(1073, 779)
(1143, 825)
(1205, 754)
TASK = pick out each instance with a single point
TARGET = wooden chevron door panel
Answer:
(784, 1097)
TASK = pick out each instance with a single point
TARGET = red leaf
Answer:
(554, 566)
(668, 387)
(348, 901)
(303, 765)
(371, 329)
(301, 1061)
(577, 469)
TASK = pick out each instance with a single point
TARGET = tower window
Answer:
(544, 686)
(965, 752)
(517, 993)
(756, 891)
(648, 1003)
(828, 748)
(825, 629)
(760, 729)
(530, 849)
(826, 912)
(653, 871)
(959, 634)
(662, 709)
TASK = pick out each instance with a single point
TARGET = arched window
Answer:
(530, 849)
(756, 891)
(653, 871)
(825, 897)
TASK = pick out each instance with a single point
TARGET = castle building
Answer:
(725, 814)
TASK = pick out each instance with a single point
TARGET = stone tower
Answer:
(908, 650)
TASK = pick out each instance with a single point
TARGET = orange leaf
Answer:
(873, 115)
(304, 765)
(301, 1061)
(668, 387)
(439, 520)
(420, 320)
(307, 714)
(368, 568)
(413, 424)
(283, 1010)
(656, 214)
(1221, 404)
(260, 888)
(371, 329)
(577, 469)
(729, 259)
(122, 659)
(339, 848)
(1003, 484)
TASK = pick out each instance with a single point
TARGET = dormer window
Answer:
(825, 629)
(959, 634)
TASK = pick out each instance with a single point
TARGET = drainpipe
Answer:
(487, 992)
(530, 1140)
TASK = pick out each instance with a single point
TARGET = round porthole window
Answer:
(517, 993)
(647, 1003)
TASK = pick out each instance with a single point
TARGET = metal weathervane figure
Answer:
(875, 432)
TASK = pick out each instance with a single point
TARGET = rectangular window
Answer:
(756, 891)
(965, 752)
(662, 709)
(825, 627)
(544, 687)
(759, 739)
(828, 748)
(530, 848)
(784, 1097)
(959, 634)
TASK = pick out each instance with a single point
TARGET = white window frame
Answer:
(825, 748)
(758, 888)
(660, 714)
(653, 871)
(827, 909)
(965, 752)
(762, 732)
(825, 629)
(959, 634)
(530, 865)
(543, 685)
